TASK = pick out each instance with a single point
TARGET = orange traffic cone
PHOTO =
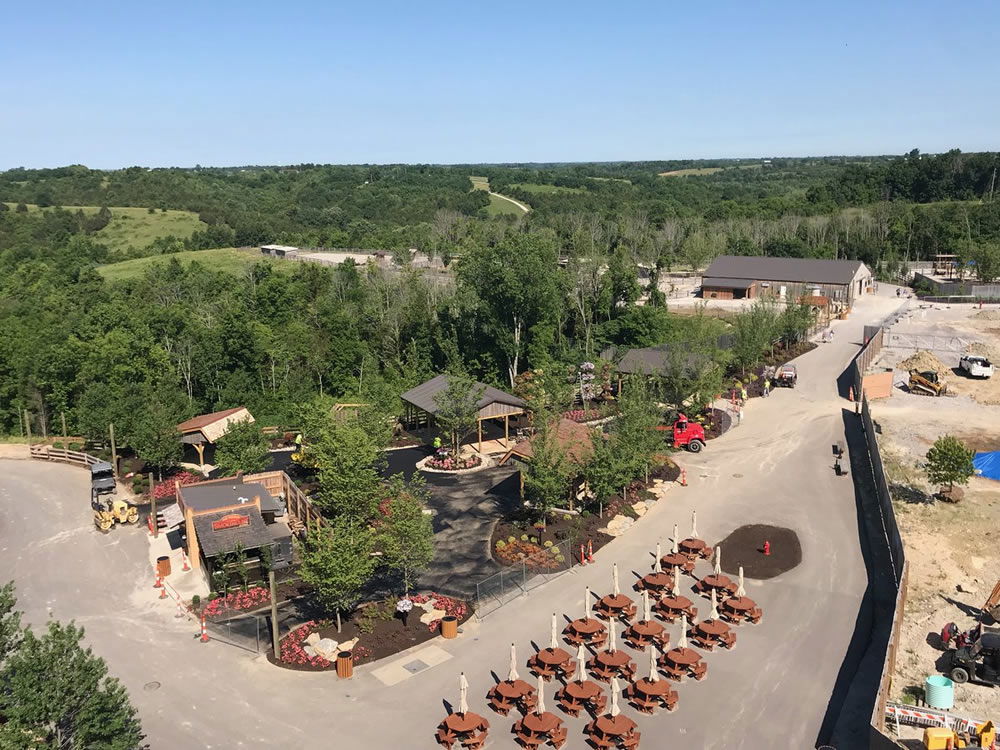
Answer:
(163, 592)
(204, 631)
(684, 478)
(590, 550)
(850, 393)
(184, 558)
(180, 611)
(158, 584)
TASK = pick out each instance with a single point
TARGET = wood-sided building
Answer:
(786, 279)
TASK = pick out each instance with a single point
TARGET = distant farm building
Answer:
(279, 251)
(791, 279)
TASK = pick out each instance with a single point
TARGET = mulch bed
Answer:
(744, 547)
(389, 637)
(560, 527)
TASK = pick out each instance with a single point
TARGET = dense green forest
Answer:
(545, 290)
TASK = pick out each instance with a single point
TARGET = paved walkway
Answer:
(776, 683)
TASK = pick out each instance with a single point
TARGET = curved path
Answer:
(776, 683)
(517, 203)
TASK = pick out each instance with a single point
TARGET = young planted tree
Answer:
(607, 471)
(59, 694)
(949, 462)
(405, 535)
(243, 448)
(634, 432)
(349, 458)
(457, 408)
(754, 330)
(155, 437)
(547, 475)
(337, 561)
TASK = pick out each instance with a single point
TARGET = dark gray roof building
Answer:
(219, 533)
(233, 491)
(423, 396)
(800, 270)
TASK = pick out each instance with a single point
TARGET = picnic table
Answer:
(608, 731)
(670, 608)
(468, 729)
(607, 664)
(643, 633)
(648, 695)
(738, 609)
(679, 559)
(614, 605)
(512, 694)
(538, 729)
(586, 631)
(723, 585)
(579, 695)
(551, 662)
(708, 634)
(654, 583)
(678, 663)
(695, 548)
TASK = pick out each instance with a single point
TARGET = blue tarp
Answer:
(987, 464)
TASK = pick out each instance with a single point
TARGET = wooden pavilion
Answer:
(208, 428)
(493, 403)
(573, 439)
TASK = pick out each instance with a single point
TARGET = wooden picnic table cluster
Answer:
(600, 664)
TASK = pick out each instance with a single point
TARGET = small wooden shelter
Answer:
(492, 404)
(573, 439)
(208, 428)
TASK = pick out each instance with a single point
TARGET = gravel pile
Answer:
(923, 361)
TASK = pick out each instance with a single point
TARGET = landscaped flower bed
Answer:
(378, 636)
(165, 489)
(512, 551)
(451, 463)
(237, 601)
(584, 415)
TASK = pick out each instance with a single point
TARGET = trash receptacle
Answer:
(345, 665)
(449, 626)
(163, 566)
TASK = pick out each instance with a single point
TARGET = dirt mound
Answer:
(983, 350)
(923, 361)
(987, 315)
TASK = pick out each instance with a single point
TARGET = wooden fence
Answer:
(303, 514)
(48, 453)
(889, 665)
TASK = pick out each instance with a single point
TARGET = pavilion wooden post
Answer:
(200, 447)
(506, 430)
(479, 424)
(114, 448)
(152, 506)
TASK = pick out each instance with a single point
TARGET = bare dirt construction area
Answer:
(953, 549)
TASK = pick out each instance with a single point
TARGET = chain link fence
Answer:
(522, 576)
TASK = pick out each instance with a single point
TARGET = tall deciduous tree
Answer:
(457, 408)
(337, 560)
(349, 456)
(59, 693)
(243, 448)
(547, 475)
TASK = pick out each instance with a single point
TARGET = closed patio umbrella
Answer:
(646, 614)
(581, 657)
(463, 690)
(615, 710)
(612, 641)
(673, 548)
(540, 707)
(675, 589)
(740, 591)
(657, 568)
(512, 672)
(654, 673)
(553, 641)
(586, 604)
(614, 575)
(714, 614)
(718, 561)
(682, 642)
(694, 524)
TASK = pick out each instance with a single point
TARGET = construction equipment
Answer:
(927, 383)
(102, 479)
(992, 605)
(978, 661)
(946, 738)
(786, 376)
(690, 435)
(108, 511)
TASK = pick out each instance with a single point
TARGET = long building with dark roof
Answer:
(791, 279)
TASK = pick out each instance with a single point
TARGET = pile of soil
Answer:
(984, 350)
(923, 361)
(745, 547)
(987, 315)
(389, 637)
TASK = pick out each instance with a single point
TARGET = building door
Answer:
(782, 291)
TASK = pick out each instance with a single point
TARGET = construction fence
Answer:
(886, 535)
(523, 576)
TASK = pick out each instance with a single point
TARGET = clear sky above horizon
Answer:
(225, 83)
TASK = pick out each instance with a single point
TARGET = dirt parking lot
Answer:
(953, 549)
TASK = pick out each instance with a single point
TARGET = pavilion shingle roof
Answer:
(574, 439)
(423, 395)
(215, 425)
(802, 270)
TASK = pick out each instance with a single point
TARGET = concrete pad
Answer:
(407, 666)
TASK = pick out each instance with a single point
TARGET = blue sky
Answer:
(226, 83)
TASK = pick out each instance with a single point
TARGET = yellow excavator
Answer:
(108, 511)
(943, 738)
(927, 383)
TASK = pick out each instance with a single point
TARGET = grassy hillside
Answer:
(136, 227)
(498, 206)
(226, 259)
(529, 187)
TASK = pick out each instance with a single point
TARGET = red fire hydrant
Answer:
(767, 547)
